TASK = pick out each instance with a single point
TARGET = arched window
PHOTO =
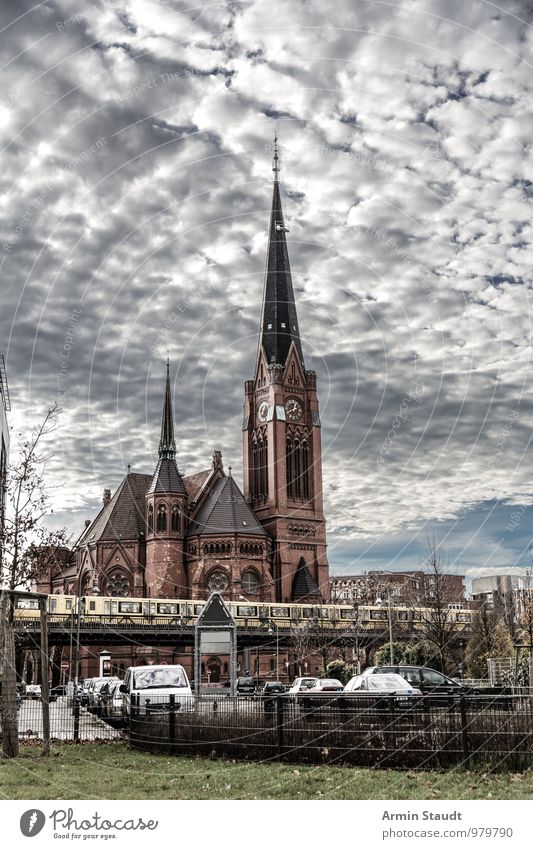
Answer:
(175, 518)
(260, 465)
(297, 457)
(250, 582)
(161, 518)
(218, 581)
(151, 519)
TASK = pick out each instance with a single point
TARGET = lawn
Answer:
(113, 771)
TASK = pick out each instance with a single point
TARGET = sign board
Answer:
(215, 634)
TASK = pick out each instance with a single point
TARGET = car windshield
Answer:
(328, 682)
(149, 679)
(387, 682)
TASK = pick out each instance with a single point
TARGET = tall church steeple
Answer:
(279, 321)
(166, 515)
(281, 431)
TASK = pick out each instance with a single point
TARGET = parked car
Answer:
(441, 690)
(273, 688)
(269, 694)
(151, 687)
(96, 690)
(245, 686)
(19, 700)
(113, 703)
(33, 691)
(325, 685)
(397, 692)
(60, 690)
(301, 684)
(107, 695)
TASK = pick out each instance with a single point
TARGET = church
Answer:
(166, 535)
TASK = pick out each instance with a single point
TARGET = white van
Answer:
(152, 686)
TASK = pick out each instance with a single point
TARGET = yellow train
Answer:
(160, 611)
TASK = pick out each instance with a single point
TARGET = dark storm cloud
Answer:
(136, 159)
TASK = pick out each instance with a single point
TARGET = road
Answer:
(61, 722)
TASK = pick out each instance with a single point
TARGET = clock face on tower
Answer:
(262, 411)
(293, 409)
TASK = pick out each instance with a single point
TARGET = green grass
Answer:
(113, 771)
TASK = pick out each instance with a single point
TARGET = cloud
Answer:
(136, 191)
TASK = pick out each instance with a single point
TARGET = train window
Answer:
(307, 612)
(463, 617)
(92, 605)
(349, 613)
(198, 609)
(53, 604)
(107, 607)
(379, 615)
(323, 613)
(417, 615)
(113, 607)
(281, 612)
(403, 615)
(68, 604)
(167, 609)
(27, 604)
(242, 610)
(129, 607)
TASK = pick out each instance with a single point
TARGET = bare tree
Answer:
(525, 616)
(28, 547)
(436, 618)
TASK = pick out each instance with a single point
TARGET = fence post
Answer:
(76, 718)
(172, 723)
(464, 731)
(279, 725)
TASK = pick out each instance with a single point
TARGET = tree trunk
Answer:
(10, 743)
(45, 671)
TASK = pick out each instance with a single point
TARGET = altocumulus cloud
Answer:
(135, 186)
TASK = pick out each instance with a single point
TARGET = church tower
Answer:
(166, 513)
(281, 433)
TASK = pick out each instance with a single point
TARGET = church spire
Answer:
(279, 322)
(167, 444)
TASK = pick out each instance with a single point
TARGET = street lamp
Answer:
(379, 602)
(273, 624)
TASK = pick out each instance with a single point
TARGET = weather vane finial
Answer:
(275, 162)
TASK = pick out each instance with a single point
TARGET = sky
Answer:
(136, 186)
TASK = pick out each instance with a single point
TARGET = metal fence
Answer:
(67, 722)
(431, 732)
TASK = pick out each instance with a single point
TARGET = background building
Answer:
(410, 587)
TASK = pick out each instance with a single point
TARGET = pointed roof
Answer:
(167, 444)
(303, 583)
(225, 511)
(123, 517)
(279, 321)
(166, 476)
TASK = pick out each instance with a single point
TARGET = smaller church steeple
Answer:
(167, 443)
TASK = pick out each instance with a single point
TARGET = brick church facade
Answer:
(167, 535)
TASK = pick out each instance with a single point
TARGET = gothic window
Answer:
(260, 465)
(118, 584)
(161, 518)
(250, 582)
(218, 581)
(175, 518)
(151, 519)
(298, 466)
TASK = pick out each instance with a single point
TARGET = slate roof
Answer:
(225, 511)
(279, 322)
(195, 483)
(167, 478)
(303, 583)
(124, 516)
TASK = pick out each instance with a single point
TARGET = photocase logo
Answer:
(32, 822)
